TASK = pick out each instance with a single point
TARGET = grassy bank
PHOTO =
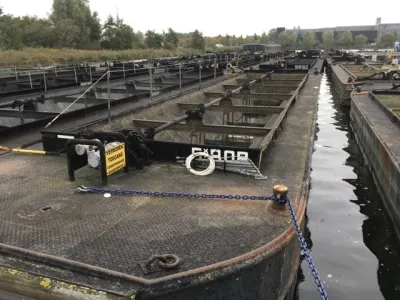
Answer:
(44, 56)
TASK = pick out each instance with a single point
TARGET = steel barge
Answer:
(58, 243)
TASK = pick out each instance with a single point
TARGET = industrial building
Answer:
(372, 32)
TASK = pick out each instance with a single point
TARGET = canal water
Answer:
(352, 240)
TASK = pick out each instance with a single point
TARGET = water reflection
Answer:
(346, 216)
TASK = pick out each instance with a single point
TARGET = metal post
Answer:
(90, 74)
(199, 75)
(123, 68)
(215, 68)
(16, 73)
(30, 79)
(55, 70)
(45, 83)
(151, 84)
(85, 66)
(108, 97)
(21, 116)
(76, 78)
(180, 79)
(85, 108)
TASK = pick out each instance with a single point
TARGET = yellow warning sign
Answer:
(115, 158)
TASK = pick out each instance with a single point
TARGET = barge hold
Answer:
(352, 71)
(25, 111)
(375, 120)
(57, 243)
(20, 81)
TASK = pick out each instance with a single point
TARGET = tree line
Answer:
(330, 39)
(72, 24)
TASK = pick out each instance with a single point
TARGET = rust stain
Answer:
(10, 167)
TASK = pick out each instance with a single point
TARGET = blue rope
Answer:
(284, 200)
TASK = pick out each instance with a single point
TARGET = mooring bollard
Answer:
(279, 192)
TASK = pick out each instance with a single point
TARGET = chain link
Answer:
(174, 194)
(284, 200)
(306, 252)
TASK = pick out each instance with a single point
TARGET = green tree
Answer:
(345, 39)
(240, 40)
(272, 35)
(227, 41)
(153, 39)
(197, 40)
(10, 33)
(309, 40)
(171, 39)
(328, 39)
(36, 32)
(387, 39)
(287, 39)
(264, 38)
(75, 25)
(360, 40)
(140, 36)
(117, 35)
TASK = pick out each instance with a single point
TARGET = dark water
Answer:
(352, 240)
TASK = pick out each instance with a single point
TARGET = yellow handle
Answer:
(27, 151)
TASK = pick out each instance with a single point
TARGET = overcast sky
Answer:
(213, 17)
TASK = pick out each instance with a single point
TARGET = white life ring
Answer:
(210, 168)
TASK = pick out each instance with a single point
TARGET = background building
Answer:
(372, 32)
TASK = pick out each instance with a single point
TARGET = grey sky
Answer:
(213, 17)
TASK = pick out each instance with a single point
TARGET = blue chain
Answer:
(306, 252)
(172, 194)
(284, 200)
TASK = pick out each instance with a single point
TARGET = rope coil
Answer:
(210, 168)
